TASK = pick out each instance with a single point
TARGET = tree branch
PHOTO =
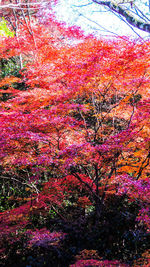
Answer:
(146, 160)
(141, 25)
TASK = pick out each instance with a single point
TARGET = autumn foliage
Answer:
(74, 130)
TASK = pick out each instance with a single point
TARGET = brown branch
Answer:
(143, 166)
(58, 213)
(86, 184)
(32, 186)
(128, 16)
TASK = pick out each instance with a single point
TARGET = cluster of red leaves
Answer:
(57, 190)
(91, 257)
(11, 224)
(99, 263)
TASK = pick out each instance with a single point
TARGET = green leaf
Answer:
(4, 29)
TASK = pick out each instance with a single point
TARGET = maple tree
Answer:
(77, 134)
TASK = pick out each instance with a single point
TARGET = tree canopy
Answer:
(74, 144)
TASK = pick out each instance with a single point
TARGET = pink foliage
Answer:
(99, 263)
(44, 238)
